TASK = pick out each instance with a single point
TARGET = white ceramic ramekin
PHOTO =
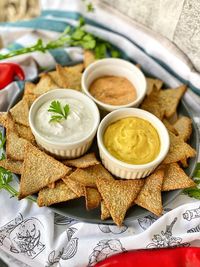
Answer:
(122, 169)
(114, 67)
(60, 149)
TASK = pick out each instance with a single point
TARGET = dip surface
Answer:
(113, 90)
(132, 140)
(78, 124)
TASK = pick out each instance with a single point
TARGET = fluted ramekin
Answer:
(59, 149)
(114, 67)
(126, 170)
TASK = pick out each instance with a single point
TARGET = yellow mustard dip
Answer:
(132, 140)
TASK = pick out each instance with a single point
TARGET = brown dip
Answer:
(113, 90)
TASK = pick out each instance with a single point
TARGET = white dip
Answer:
(77, 126)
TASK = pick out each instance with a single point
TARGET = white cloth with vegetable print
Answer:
(33, 236)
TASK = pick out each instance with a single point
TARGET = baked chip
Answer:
(15, 146)
(169, 99)
(61, 192)
(88, 176)
(153, 83)
(25, 132)
(20, 112)
(29, 88)
(11, 165)
(75, 186)
(52, 185)
(176, 178)
(105, 213)
(92, 198)
(178, 150)
(3, 118)
(68, 79)
(76, 68)
(150, 195)
(184, 163)
(119, 196)
(169, 126)
(152, 104)
(184, 127)
(45, 85)
(82, 162)
(89, 58)
(39, 170)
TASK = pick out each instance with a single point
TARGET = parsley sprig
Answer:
(72, 36)
(195, 191)
(6, 177)
(58, 111)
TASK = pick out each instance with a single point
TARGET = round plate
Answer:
(76, 208)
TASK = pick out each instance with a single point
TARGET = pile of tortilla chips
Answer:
(59, 181)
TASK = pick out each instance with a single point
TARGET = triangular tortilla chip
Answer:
(153, 83)
(150, 195)
(11, 165)
(3, 118)
(169, 126)
(76, 68)
(176, 178)
(105, 213)
(39, 170)
(29, 88)
(119, 196)
(184, 127)
(15, 146)
(169, 99)
(82, 162)
(178, 150)
(89, 58)
(76, 187)
(25, 132)
(45, 85)
(92, 198)
(20, 112)
(60, 193)
(88, 176)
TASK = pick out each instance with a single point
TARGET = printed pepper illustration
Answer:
(8, 73)
(191, 214)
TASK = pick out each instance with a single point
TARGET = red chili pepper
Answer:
(166, 257)
(8, 72)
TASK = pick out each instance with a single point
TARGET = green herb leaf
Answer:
(194, 191)
(90, 7)
(59, 111)
(2, 140)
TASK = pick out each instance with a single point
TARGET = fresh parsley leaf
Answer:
(2, 156)
(90, 7)
(59, 111)
(194, 191)
(2, 140)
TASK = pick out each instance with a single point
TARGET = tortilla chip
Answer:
(152, 104)
(169, 99)
(184, 127)
(76, 68)
(39, 170)
(76, 187)
(176, 178)
(89, 58)
(25, 132)
(119, 196)
(3, 118)
(105, 213)
(82, 162)
(45, 85)
(20, 112)
(153, 83)
(169, 126)
(68, 79)
(11, 165)
(88, 176)
(150, 195)
(92, 198)
(15, 146)
(179, 150)
(29, 88)
(60, 193)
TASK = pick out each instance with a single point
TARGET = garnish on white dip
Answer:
(74, 124)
